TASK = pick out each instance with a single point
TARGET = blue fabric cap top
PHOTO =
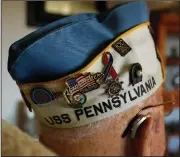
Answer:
(68, 44)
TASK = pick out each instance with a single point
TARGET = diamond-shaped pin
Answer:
(121, 47)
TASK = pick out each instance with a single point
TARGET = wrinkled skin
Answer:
(105, 138)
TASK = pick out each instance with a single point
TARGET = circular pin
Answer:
(138, 123)
(114, 88)
(78, 99)
(41, 95)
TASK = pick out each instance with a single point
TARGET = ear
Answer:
(150, 137)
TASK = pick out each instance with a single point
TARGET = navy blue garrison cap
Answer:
(68, 44)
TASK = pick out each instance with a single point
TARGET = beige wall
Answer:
(13, 28)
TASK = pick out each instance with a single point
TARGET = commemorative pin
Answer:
(113, 86)
(41, 95)
(135, 73)
(78, 86)
(121, 47)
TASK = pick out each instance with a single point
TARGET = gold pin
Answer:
(79, 85)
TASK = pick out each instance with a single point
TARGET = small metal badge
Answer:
(41, 95)
(114, 87)
(121, 47)
(135, 73)
(78, 86)
(109, 69)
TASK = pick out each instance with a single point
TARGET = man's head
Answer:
(95, 83)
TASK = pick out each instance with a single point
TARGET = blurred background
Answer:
(20, 18)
